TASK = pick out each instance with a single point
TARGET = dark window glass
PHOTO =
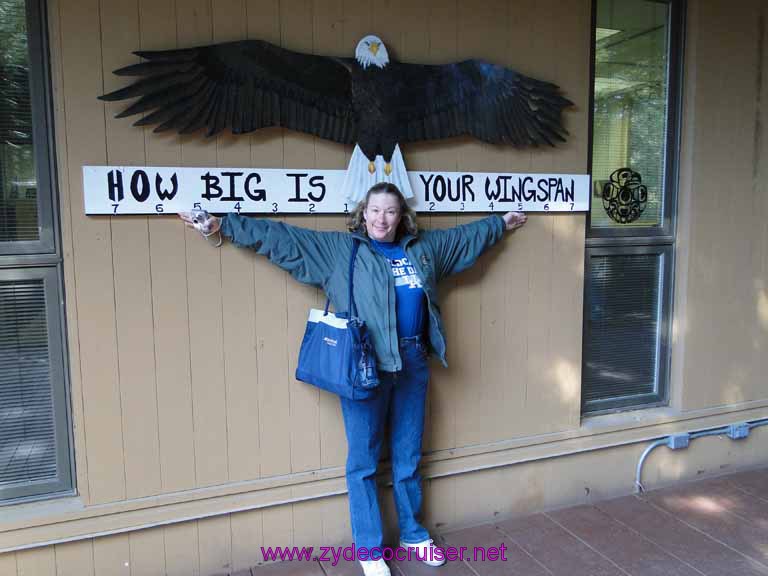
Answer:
(27, 434)
(19, 207)
(623, 320)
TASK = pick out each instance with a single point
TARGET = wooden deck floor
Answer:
(716, 527)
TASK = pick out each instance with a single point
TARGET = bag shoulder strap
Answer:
(352, 257)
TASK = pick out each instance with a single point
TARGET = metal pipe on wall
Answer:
(680, 441)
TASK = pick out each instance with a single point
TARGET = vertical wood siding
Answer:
(723, 332)
(186, 351)
(183, 354)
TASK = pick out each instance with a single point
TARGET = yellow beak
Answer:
(374, 48)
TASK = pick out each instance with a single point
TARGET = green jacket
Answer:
(322, 259)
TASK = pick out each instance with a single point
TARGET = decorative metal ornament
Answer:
(370, 101)
(625, 197)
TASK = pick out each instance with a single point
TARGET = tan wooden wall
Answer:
(182, 354)
(722, 302)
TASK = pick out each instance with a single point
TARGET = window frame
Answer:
(42, 259)
(648, 239)
(664, 333)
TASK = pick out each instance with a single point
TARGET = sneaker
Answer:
(375, 567)
(426, 551)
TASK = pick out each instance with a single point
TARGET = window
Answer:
(631, 223)
(34, 431)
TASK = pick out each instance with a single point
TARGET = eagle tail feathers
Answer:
(358, 179)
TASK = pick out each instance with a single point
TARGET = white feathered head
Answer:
(371, 51)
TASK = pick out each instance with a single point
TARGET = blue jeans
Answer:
(399, 402)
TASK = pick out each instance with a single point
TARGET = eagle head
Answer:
(371, 50)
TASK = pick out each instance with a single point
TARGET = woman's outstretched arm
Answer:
(308, 255)
(458, 248)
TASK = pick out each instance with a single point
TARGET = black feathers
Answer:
(244, 86)
(490, 102)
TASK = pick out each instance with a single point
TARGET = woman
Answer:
(395, 290)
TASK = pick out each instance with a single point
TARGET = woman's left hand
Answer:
(513, 220)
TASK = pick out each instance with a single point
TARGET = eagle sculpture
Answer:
(370, 101)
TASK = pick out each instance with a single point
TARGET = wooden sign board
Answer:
(161, 190)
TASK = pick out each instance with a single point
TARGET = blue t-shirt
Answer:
(409, 296)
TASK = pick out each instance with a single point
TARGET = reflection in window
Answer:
(630, 101)
(18, 187)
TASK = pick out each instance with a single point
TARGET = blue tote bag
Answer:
(336, 353)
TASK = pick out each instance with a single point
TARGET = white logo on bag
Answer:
(329, 341)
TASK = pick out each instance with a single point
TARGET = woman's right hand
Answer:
(206, 227)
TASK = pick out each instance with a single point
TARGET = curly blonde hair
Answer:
(407, 223)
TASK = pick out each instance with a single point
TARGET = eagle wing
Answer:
(243, 86)
(490, 102)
